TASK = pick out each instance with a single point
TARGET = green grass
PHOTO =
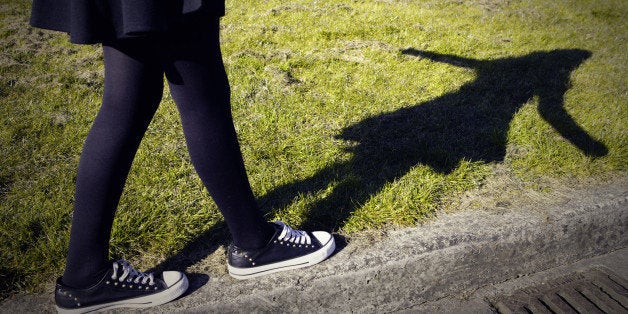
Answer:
(351, 115)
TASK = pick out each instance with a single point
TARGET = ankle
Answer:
(78, 280)
(256, 240)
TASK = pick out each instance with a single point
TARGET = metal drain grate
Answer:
(594, 291)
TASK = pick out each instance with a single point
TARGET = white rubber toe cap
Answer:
(172, 277)
(322, 236)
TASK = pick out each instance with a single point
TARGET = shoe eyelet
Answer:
(253, 263)
(115, 283)
(155, 288)
(107, 282)
(78, 304)
(123, 286)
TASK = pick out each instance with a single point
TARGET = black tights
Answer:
(134, 71)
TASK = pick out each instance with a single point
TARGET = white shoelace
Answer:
(293, 236)
(130, 274)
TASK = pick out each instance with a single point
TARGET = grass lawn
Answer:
(352, 116)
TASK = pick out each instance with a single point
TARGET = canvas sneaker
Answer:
(122, 286)
(287, 249)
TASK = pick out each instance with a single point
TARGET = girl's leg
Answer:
(132, 92)
(200, 88)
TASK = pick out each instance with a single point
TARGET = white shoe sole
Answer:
(165, 296)
(298, 262)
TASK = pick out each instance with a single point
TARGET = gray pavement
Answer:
(458, 262)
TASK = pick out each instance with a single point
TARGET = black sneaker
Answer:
(288, 249)
(122, 286)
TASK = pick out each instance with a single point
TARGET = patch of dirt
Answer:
(504, 190)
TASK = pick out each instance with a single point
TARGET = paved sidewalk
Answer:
(455, 263)
(483, 299)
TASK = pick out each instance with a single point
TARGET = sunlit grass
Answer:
(333, 102)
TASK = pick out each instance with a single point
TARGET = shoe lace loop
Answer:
(293, 236)
(130, 274)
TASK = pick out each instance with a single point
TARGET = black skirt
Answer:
(95, 21)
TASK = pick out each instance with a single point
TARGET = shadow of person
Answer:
(472, 122)
(468, 124)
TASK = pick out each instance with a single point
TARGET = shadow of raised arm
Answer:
(552, 72)
(445, 58)
(551, 110)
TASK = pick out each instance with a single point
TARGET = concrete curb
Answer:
(457, 252)
(454, 254)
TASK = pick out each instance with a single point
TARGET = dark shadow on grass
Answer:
(195, 251)
(468, 124)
